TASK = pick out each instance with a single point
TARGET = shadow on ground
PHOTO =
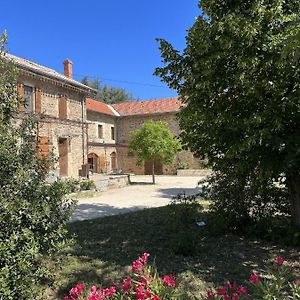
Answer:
(97, 210)
(172, 192)
(105, 248)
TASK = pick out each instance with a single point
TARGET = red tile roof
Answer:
(99, 107)
(148, 107)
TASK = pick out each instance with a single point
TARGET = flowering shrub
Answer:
(144, 283)
(277, 285)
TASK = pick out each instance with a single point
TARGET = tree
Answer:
(108, 94)
(33, 213)
(239, 78)
(153, 141)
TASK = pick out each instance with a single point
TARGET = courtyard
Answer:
(139, 195)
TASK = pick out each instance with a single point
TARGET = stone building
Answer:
(59, 102)
(109, 133)
(102, 137)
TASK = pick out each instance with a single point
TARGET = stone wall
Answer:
(73, 128)
(128, 163)
(95, 119)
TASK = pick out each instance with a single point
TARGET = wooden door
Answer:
(158, 167)
(113, 161)
(63, 156)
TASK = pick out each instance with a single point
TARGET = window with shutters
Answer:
(63, 107)
(28, 99)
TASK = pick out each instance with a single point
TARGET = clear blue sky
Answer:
(111, 39)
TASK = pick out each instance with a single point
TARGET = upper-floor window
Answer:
(63, 107)
(112, 133)
(100, 131)
(28, 99)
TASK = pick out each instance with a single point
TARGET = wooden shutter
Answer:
(43, 148)
(20, 88)
(62, 107)
(38, 99)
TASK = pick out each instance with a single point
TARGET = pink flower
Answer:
(254, 278)
(141, 293)
(156, 298)
(221, 291)
(235, 296)
(145, 257)
(210, 295)
(126, 284)
(243, 291)
(169, 280)
(77, 290)
(279, 261)
(110, 291)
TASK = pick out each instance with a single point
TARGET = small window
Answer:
(28, 99)
(112, 133)
(100, 132)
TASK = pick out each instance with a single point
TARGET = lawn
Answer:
(105, 248)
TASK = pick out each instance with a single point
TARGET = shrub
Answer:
(183, 165)
(32, 213)
(143, 283)
(243, 200)
(181, 221)
(87, 185)
(277, 284)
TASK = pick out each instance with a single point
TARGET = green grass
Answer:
(105, 248)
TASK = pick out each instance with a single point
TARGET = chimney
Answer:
(68, 68)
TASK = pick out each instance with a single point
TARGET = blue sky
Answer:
(113, 40)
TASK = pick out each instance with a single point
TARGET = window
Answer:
(63, 107)
(28, 99)
(112, 133)
(100, 132)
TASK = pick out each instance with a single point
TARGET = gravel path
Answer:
(135, 197)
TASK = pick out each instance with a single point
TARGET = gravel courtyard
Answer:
(137, 196)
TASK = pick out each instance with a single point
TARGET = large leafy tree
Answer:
(154, 141)
(33, 213)
(108, 94)
(239, 76)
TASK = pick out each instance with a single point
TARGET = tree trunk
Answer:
(153, 172)
(293, 184)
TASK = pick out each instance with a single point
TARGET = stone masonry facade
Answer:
(88, 135)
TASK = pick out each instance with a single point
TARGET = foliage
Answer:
(239, 78)
(72, 185)
(32, 213)
(108, 94)
(144, 283)
(183, 165)
(184, 213)
(87, 185)
(276, 284)
(154, 141)
(240, 203)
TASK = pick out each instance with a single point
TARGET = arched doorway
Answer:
(93, 161)
(113, 161)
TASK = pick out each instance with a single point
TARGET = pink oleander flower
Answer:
(210, 295)
(169, 280)
(235, 296)
(76, 290)
(110, 291)
(145, 257)
(137, 265)
(126, 284)
(221, 291)
(156, 298)
(254, 278)
(243, 291)
(141, 293)
(279, 261)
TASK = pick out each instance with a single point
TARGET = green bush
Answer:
(33, 213)
(87, 184)
(181, 222)
(183, 165)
